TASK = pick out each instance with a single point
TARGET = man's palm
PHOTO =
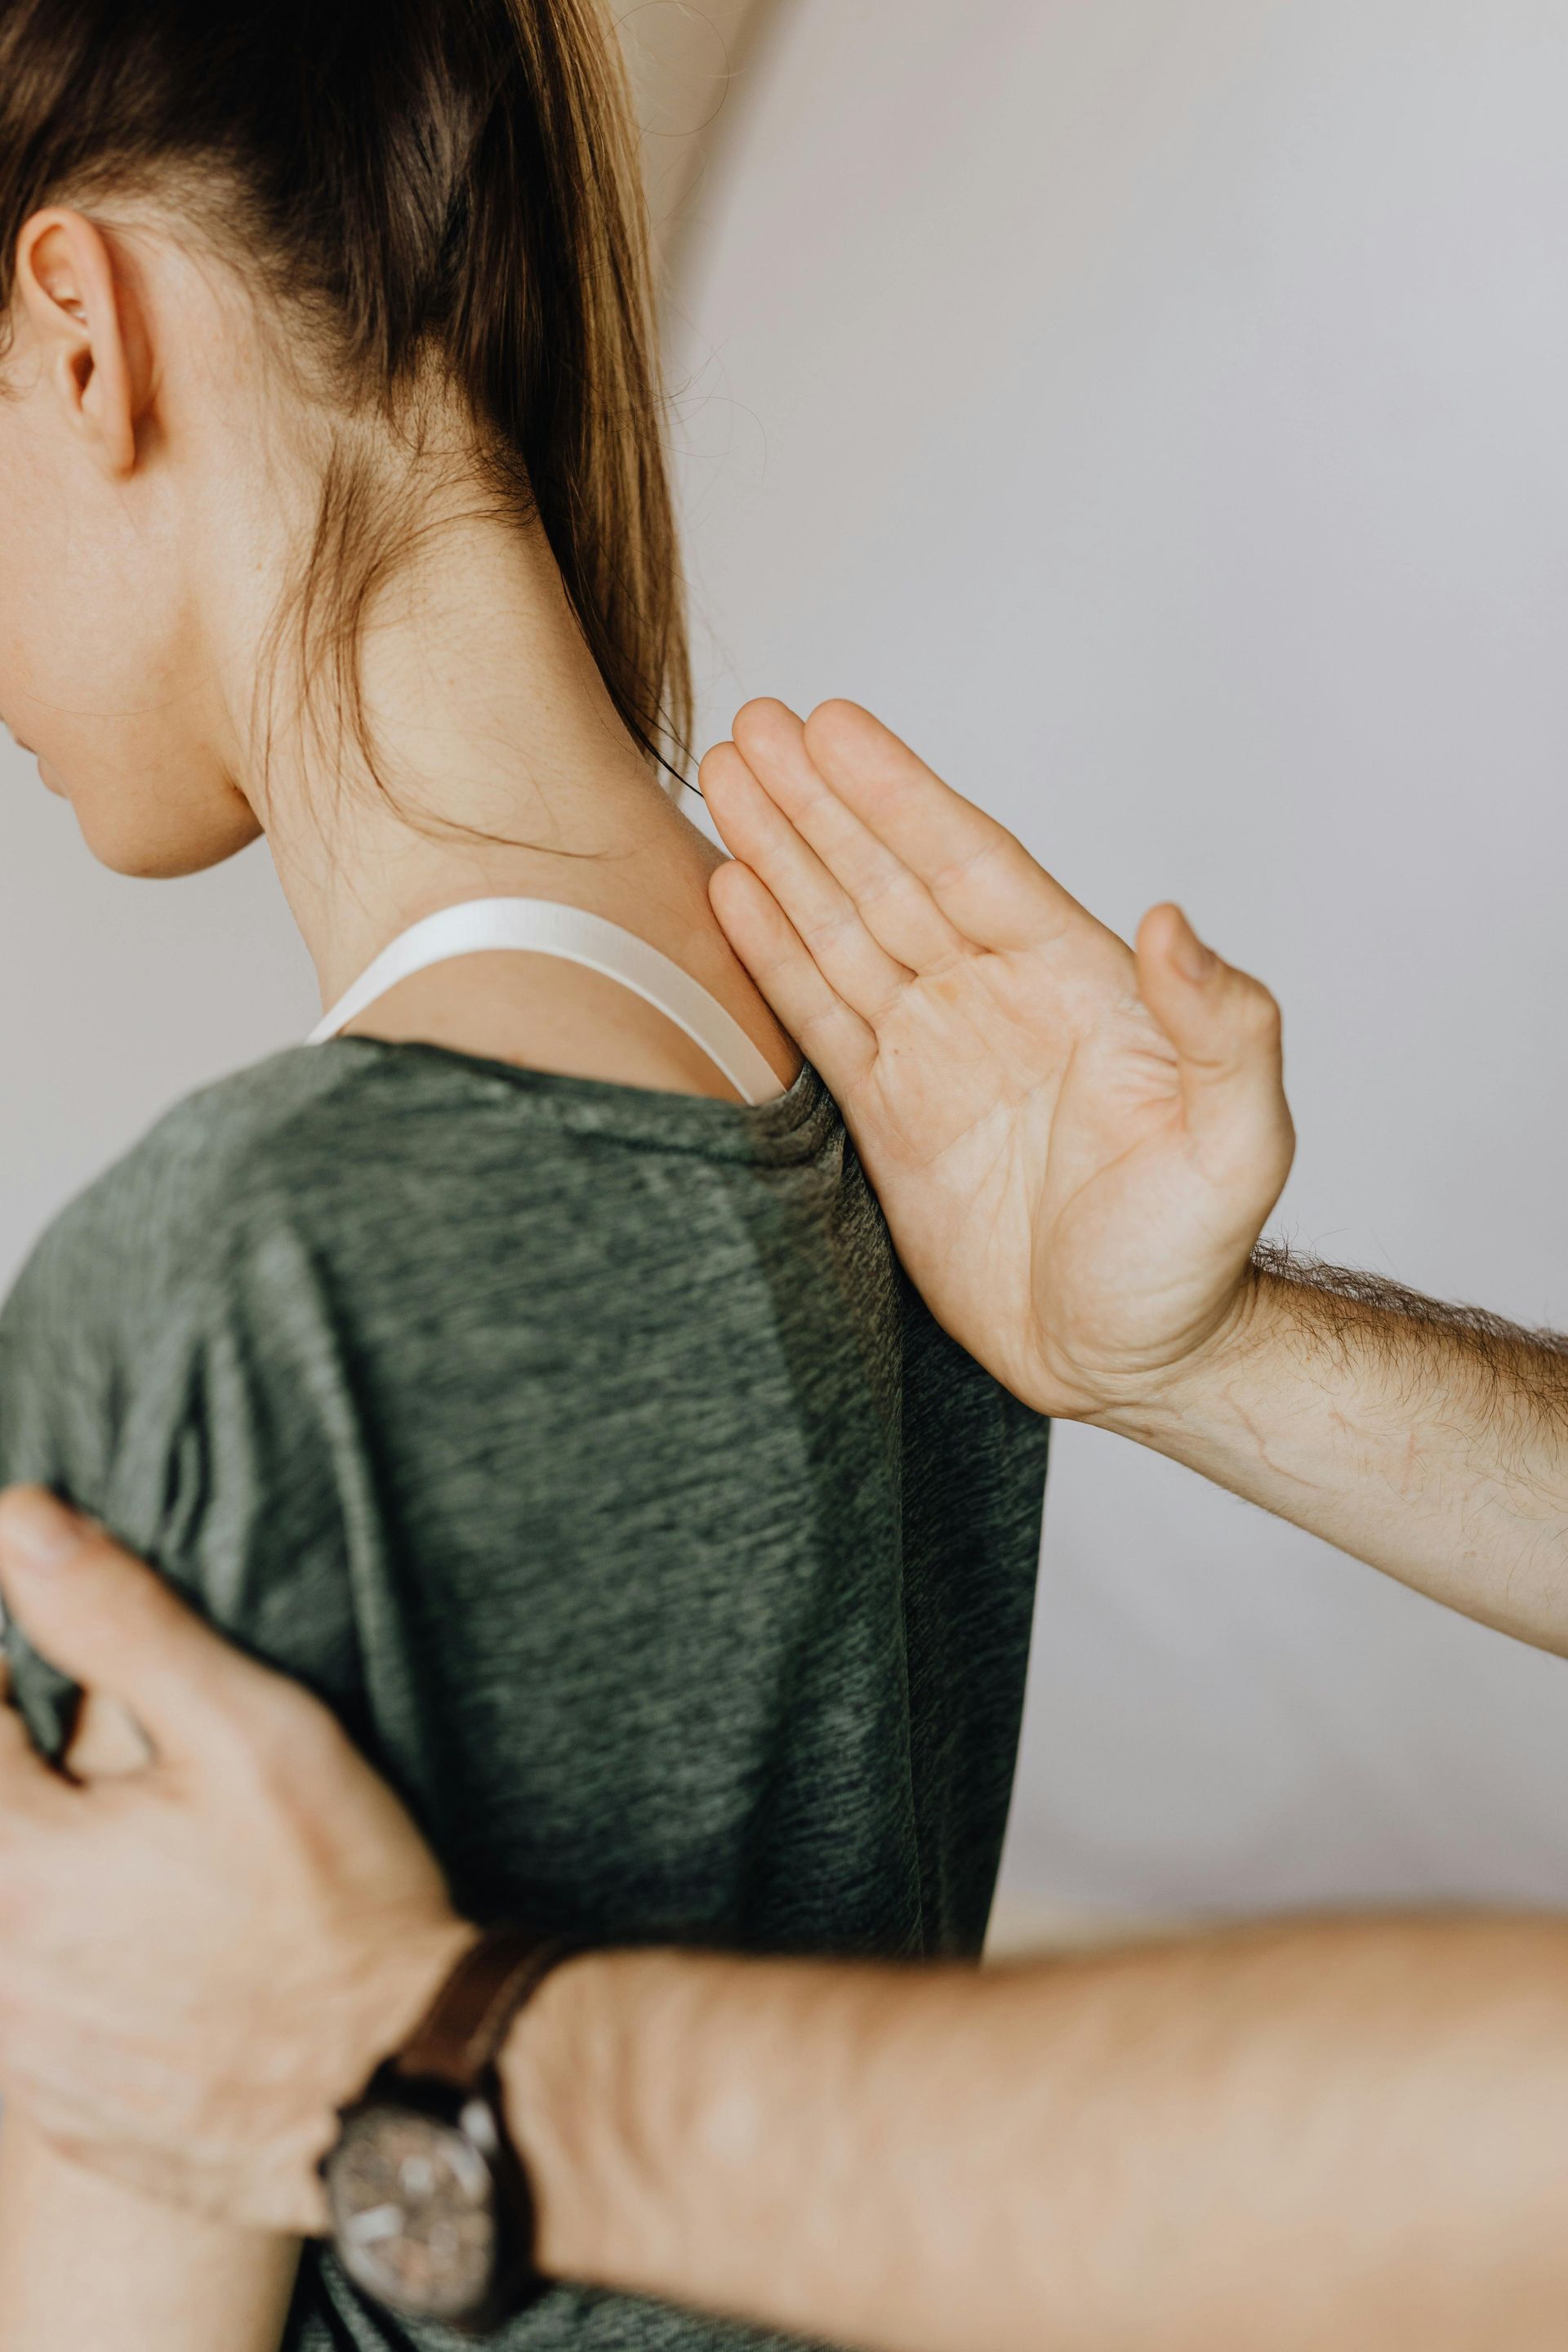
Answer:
(1075, 1145)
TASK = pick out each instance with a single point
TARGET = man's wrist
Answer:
(606, 2086)
(1189, 1394)
(557, 2065)
(384, 1992)
(557, 2070)
(400, 1987)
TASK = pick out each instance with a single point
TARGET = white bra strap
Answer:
(545, 926)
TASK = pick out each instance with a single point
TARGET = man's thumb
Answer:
(1225, 1026)
(108, 1621)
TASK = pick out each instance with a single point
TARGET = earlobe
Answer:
(83, 314)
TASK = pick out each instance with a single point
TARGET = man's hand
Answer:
(199, 1959)
(1077, 1146)
(263, 1922)
(1076, 1143)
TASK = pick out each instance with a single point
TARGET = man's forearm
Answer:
(1345, 2135)
(1430, 1441)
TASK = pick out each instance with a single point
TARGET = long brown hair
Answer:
(446, 187)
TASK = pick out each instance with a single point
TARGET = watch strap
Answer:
(460, 2035)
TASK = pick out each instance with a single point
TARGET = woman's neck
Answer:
(502, 767)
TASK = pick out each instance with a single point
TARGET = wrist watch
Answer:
(431, 2212)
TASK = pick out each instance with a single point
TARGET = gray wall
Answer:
(118, 997)
(1157, 408)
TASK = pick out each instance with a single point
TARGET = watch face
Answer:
(414, 2212)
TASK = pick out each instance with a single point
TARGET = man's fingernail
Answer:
(1190, 955)
(36, 1527)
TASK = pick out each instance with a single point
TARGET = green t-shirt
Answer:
(587, 1449)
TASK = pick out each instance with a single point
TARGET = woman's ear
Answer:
(87, 319)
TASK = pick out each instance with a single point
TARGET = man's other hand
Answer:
(1076, 1143)
(201, 1959)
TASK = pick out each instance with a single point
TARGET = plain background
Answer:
(1156, 408)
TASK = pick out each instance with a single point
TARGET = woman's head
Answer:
(368, 249)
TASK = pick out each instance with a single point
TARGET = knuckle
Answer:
(287, 1739)
(276, 1746)
(310, 1736)
(1259, 1012)
(1002, 854)
(816, 1021)
(126, 1594)
(828, 934)
(888, 886)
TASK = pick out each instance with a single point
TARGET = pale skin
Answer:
(159, 482)
(1353, 2134)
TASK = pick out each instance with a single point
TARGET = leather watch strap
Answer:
(460, 2035)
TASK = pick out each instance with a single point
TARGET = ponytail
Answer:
(434, 185)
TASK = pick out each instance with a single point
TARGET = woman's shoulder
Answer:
(359, 1159)
(155, 1271)
(168, 1211)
